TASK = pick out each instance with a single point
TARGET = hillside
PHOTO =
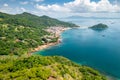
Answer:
(45, 68)
(20, 33)
(27, 19)
(19, 40)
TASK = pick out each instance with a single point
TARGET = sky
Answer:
(63, 8)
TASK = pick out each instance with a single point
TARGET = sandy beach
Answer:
(44, 46)
(57, 32)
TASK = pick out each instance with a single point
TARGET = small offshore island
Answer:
(24, 33)
(99, 27)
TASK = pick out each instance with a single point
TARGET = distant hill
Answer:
(99, 27)
(27, 19)
(92, 17)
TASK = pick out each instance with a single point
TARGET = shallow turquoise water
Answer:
(91, 48)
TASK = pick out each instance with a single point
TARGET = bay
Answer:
(97, 49)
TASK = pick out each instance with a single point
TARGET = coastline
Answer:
(41, 47)
(47, 45)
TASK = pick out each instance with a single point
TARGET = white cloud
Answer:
(78, 6)
(23, 9)
(5, 5)
(24, 3)
(38, 0)
(5, 9)
(52, 8)
(12, 10)
(105, 6)
(117, 2)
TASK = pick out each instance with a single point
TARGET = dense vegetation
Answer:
(45, 68)
(19, 34)
(22, 32)
(99, 27)
(18, 40)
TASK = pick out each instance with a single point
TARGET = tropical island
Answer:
(99, 27)
(24, 33)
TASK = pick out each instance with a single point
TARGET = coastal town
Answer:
(55, 33)
(56, 30)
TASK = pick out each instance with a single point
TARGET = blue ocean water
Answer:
(88, 47)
